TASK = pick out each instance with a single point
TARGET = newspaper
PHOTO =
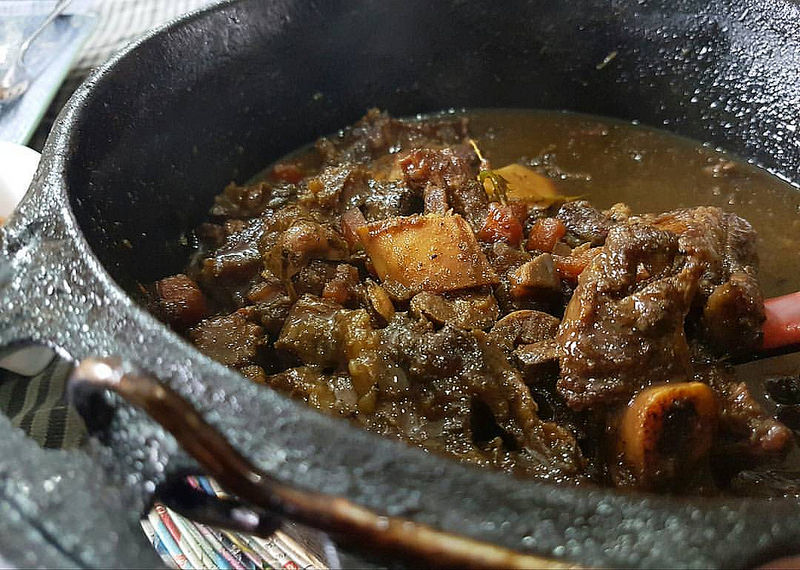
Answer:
(184, 544)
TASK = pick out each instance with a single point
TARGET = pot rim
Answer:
(52, 180)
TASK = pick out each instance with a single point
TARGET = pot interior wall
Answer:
(223, 94)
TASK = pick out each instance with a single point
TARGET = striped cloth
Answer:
(38, 406)
(118, 23)
(182, 543)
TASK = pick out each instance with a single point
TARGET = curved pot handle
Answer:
(238, 476)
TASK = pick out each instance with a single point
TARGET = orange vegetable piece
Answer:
(501, 225)
(571, 266)
(782, 327)
(433, 253)
(545, 233)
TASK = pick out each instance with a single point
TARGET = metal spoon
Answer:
(16, 79)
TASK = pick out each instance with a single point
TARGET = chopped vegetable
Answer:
(666, 430)
(545, 234)
(571, 266)
(426, 253)
(501, 225)
(519, 182)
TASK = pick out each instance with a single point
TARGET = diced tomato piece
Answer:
(287, 172)
(501, 225)
(570, 266)
(545, 233)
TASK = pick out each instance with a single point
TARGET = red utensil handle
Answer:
(782, 327)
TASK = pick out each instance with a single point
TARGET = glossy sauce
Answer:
(652, 171)
(607, 162)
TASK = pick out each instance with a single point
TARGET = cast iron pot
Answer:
(143, 146)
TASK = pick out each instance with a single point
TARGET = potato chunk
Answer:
(433, 253)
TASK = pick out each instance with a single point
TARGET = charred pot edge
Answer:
(391, 535)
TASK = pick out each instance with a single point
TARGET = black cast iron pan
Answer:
(145, 143)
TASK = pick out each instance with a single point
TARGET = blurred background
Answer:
(66, 52)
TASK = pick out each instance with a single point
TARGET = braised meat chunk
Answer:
(625, 331)
(583, 223)
(394, 277)
(460, 380)
(728, 292)
(627, 316)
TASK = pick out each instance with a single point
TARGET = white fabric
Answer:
(17, 166)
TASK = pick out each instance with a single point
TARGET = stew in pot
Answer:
(550, 294)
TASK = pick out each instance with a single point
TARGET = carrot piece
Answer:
(545, 233)
(571, 266)
(501, 225)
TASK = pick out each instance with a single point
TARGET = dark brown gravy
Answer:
(601, 160)
(651, 170)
